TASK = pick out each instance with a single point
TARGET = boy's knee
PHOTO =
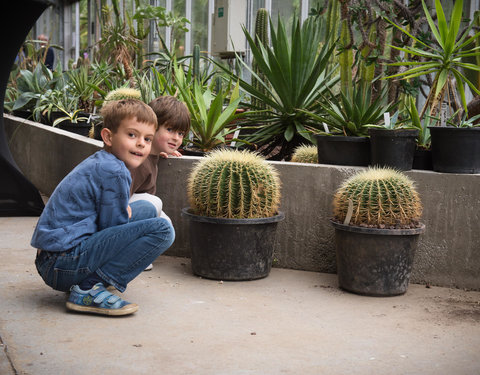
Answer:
(165, 230)
(142, 210)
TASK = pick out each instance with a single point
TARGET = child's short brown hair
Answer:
(171, 112)
(116, 111)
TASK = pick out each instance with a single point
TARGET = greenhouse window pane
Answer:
(179, 35)
(199, 26)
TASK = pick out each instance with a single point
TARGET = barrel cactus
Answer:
(380, 198)
(234, 184)
(123, 93)
(305, 154)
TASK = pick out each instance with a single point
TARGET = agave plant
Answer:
(294, 71)
(153, 84)
(443, 59)
(81, 83)
(352, 114)
(210, 121)
(31, 85)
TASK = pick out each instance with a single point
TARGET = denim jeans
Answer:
(117, 254)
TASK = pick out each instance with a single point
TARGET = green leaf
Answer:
(455, 21)
(442, 80)
(433, 28)
(289, 132)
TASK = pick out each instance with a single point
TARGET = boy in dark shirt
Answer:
(173, 120)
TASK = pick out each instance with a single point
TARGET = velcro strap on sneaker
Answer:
(113, 299)
(102, 296)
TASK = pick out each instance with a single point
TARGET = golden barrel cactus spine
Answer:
(123, 93)
(305, 154)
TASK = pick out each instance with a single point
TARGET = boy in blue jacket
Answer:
(87, 238)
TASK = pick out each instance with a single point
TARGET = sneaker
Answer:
(98, 301)
(149, 267)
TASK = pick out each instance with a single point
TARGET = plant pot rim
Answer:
(391, 232)
(396, 132)
(83, 124)
(454, 128)
(186, 212)
(339, 138)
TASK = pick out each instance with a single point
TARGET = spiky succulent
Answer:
(234, 184)
(305, 154)
(381, 197)
(261, 37)
(123, 93)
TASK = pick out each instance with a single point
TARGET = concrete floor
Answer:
(291, 322)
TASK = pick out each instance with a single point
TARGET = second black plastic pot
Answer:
(375, 262)
(340, 150)
(455, 150)
(393, 147)
(232, 249)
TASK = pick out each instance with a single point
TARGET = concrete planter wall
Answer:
(448, 253)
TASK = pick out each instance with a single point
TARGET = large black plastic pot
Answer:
(340, 150)
(375, 262)
(455, 150)
(393, 147)
(232, 249)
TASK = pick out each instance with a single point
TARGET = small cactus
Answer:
(123, 93)
(261, 37)
(381, 198)
(305, 154)
(234, 184)
(196, 62)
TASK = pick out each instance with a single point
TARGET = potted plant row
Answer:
(455, 143)
(346, 120)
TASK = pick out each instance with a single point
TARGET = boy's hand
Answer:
(174, 153)
(129, 210)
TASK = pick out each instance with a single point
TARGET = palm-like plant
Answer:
(294, 72)
(443, 60)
